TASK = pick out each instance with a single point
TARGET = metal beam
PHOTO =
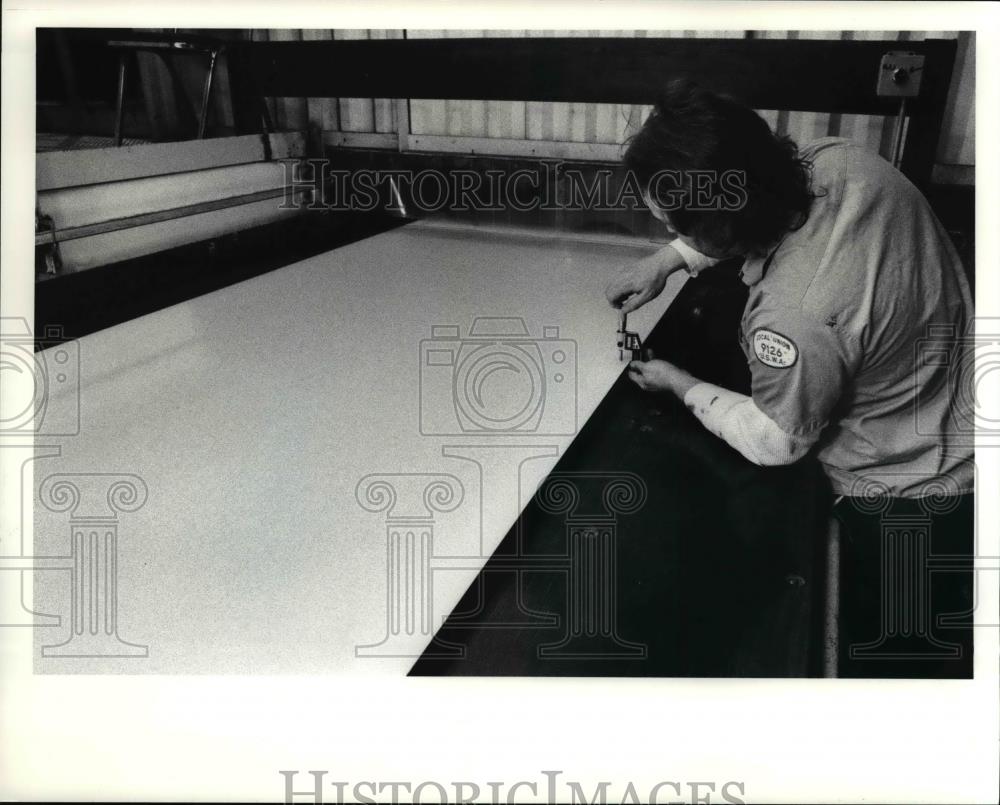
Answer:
(789, 74)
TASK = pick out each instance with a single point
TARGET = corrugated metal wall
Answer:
(612, 123)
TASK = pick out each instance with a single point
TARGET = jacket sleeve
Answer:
(735, 419)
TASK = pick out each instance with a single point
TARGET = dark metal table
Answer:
(653, 548)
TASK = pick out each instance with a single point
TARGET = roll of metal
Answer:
(105, 223)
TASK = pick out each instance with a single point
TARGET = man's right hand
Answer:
(636, 284)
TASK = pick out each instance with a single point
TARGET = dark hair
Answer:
(692, 130)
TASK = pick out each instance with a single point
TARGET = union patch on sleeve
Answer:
(774, 349)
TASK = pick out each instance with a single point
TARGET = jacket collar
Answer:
(752, 271)
(754, 268)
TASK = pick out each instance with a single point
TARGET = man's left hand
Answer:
(657, 375)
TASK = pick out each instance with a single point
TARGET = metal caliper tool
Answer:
(629, 344)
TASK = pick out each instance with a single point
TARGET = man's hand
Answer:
(638, 283)
(654, 375)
